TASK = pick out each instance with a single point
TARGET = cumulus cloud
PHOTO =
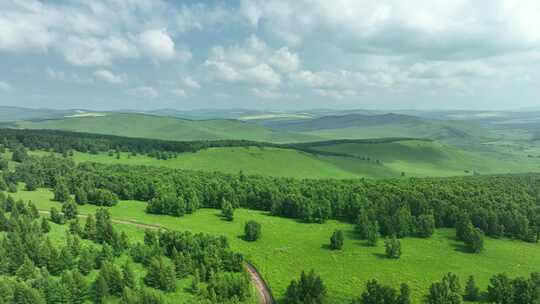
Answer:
(109, 76)
(157, 44)
(437, 28)
(285, 60)
(4, 86)
(200, 16)
(146, 92)
(252, 62)
(179, 92)
(191, 83)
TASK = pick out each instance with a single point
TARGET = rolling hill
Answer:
(167, 128)
(358, 126)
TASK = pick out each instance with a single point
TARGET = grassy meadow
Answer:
(413, 157)
(166, 128)
(287, 247)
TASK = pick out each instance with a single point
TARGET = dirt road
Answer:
(265, 295)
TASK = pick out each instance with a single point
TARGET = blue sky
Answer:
(273, 54)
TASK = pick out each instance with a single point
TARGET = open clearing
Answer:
(287, 247)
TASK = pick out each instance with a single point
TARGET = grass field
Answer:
(413, 157)
(431, 158)
(287, 247)
(167, 128)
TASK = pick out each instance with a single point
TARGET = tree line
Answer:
(496, 206)
(502, 289)
(66, 141)
(35, 268)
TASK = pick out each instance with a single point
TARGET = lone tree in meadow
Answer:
(252, 231)
(227, 210)
(337, 240)
(393, 248)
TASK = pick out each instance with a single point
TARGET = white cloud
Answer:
(157, 44)
(437, 29)
(109, 76)
(251, 63)
(200, 16)
(146, 92)
(191, 83)
(262, 74)
(4, 86)
(284, 60)
(179, 92)
(96, 52)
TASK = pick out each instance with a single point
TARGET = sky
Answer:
(270, 54)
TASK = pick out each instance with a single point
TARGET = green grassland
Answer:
(166, 128)
(287, 247)
(431, 158)
(413, 157)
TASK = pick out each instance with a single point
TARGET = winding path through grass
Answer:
(265, 295)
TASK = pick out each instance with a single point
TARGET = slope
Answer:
(168, 128)
(356, 126)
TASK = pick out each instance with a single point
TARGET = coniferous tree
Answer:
(227, 210)
(24, 294)
(45, 227)
(337, 240)
(81, 198)
(393, 248)
(500, 289)
(56, 217)
(475, 241)
(86, 261)
(160, 275)
(377, 294)
(425, 225)
(61, 192)
(19, 154)
(100, 290)
(471, 290)
(195, 282)
(252, 231)
(372, 234)
(128, 276)
(69, 209)
(309, 289)
(90, 230)
(75, 227)
(27, 270)
(404, 296)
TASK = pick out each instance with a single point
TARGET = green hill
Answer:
(357, 126)
(167, 128)
(425, 157)
(336, 159)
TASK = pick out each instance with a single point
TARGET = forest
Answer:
(476, 206)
